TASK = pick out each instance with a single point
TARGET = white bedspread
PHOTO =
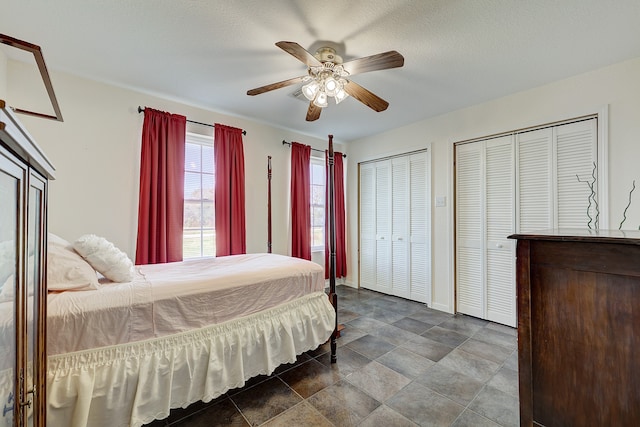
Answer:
(179, 333)
(165, 299)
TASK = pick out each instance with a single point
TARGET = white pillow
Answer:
(54, 239)
(66, 270)
(110, 261)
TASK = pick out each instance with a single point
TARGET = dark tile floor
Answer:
(399, 364)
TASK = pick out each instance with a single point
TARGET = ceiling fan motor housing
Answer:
(328, 54)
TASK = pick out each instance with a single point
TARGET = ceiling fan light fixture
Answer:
(321, 100)
(331, 86)
(310, 90)
(340, 95)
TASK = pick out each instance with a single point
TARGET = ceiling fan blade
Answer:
(274, 86)
(313, 113)
(369, 99)
(381, 61)
(299, 52)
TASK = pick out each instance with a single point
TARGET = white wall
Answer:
(3, 75)
(96, 152)
(616, 88)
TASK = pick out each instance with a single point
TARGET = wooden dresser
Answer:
(24, 175)
(579, 328)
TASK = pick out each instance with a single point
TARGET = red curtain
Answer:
(300, 201)
(228, 153)
(161, 200)
(341, 253)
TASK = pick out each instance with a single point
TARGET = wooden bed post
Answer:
(269, 204)
(332, 244)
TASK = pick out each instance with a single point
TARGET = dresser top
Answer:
(627, 237)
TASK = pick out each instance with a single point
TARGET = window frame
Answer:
(318, 161)
(201, 140)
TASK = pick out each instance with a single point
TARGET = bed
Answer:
(126, 353)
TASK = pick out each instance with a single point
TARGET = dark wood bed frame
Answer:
(332, 246)
(333, 297)
(269, 204)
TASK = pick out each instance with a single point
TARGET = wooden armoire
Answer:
(24, 175)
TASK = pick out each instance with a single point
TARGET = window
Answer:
(199, 234)
(318, 197)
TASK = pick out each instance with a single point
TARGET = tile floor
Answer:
(399, 364)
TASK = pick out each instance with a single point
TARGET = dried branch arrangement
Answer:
(593, 201)
(624, 214)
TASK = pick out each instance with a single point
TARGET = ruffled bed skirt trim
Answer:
(133, 384)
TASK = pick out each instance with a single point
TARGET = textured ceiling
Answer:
(209, 53)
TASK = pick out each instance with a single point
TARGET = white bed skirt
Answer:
(133, 384)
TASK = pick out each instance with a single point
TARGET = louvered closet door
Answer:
(395, 246)
(576, 153)
(550, 161)
(499, 214)
(470, 296)
(534, 180)
(485, 218)
(420, 228)
(368, 225)
(535, 177)
(383, 227)
(400, 285)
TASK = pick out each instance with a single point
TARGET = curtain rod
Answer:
(141, 110)
(312, 149)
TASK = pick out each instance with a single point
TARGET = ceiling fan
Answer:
(327, 76)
